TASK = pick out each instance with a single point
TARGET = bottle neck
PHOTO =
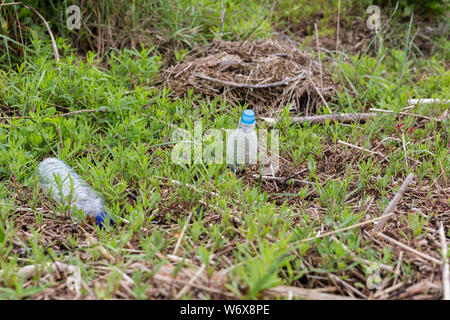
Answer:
(246, 127)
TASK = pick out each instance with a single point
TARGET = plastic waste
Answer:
(242, 144)
(65, 186)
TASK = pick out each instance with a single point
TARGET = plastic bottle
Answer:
(242, 144)
(64, 185)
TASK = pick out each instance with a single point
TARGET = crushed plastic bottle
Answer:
(242, 144)
(65, 186)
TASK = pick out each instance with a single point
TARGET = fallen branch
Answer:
(337, 117)
(412, 250)
(391, 206)
(445, 271)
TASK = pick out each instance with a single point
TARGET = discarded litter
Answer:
(242, 144)
(65, 186)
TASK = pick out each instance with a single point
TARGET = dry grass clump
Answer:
(266, 74)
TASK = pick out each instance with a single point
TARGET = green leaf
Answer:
(2, 236)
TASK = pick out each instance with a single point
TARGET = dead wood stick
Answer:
(412, 250)
(388, 290)
(180, 238)
(347, 285)
(445, 271)
(295, 174)
(250, 86)
(363, 149)
(307, 294)
(391, 206)
(336, 117)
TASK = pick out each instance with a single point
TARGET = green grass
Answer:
(173, 26)
(124, 148)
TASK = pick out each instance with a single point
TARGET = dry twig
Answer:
(363, 149)
(445, 271)
(182, 233)
(412, 250)
(391, 206)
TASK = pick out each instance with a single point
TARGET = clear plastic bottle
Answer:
(242, 144)
(66, 187)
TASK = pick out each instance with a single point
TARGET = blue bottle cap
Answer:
(248, 117)
(100, 219)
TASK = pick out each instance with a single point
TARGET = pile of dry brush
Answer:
(267, 75)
